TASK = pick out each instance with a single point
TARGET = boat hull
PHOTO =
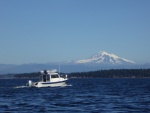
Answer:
(47, 84)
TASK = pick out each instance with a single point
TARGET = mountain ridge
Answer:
(93, 63)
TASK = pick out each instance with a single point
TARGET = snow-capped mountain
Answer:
(105, 58)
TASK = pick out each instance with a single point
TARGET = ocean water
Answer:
(88, 95)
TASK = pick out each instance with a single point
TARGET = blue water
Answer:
(80, 95)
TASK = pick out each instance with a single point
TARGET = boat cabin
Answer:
(49, 77)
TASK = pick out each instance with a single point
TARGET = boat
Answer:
(49, 78)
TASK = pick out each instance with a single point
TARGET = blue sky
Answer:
(37, 31)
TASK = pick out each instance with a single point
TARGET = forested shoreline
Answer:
(112, 73)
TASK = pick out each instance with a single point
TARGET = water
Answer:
(80, 95)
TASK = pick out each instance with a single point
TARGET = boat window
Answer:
(48, 78)
(54, 76)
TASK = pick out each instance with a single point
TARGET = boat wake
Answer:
(21, 87)
(65, 85)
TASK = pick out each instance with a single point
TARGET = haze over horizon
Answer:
(62, 30)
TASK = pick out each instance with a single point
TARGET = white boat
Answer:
(49, 79)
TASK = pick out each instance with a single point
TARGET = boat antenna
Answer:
(59, 67)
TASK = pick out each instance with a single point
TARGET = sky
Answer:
(42, 31)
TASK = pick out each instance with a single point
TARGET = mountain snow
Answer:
(105, 58)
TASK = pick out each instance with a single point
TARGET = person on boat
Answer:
(44, 78)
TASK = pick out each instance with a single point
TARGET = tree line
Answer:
(112, 73)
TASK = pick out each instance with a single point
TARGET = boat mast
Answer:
(59, 67)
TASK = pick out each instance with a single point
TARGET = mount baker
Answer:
(104, 58)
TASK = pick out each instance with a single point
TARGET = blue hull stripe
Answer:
(52, 82)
